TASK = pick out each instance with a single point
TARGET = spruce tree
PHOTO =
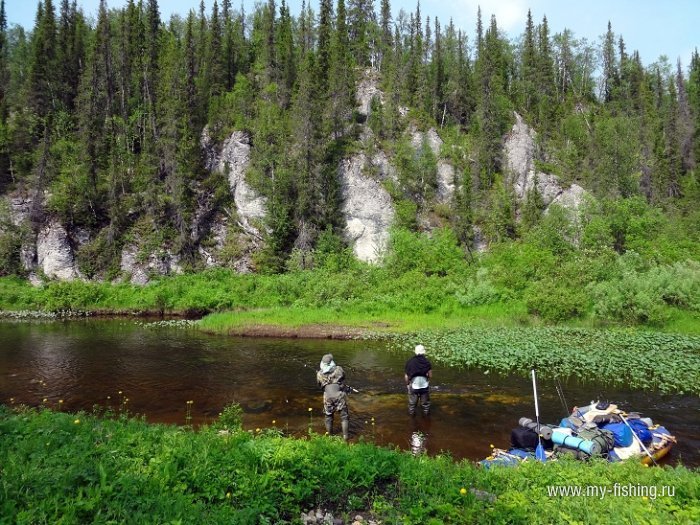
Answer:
(611, 76)
(42, 81)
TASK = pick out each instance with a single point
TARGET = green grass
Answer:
(79, 468)
(372, 323)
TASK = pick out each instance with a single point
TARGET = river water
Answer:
(154, 372)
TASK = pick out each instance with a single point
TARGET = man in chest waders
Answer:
(331, 378)
(418, 373)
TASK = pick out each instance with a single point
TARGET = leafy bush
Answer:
(478, 291)
(231, 417)
(555, 300)
(641, 295)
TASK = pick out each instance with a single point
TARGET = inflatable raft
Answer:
(596, 430)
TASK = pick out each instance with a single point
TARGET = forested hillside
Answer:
(236, 139)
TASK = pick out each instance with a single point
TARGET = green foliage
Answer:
(231, 417)
(638, 360)
(642, 295)
(155, 473)
(437, 255)
(556, 300)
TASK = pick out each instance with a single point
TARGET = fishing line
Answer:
(562, 398)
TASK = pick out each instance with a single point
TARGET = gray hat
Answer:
(327, 364)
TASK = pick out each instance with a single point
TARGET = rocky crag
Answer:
(367, 207)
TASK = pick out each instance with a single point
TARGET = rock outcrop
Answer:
(54, 253)
(445, 170)
(520, 153)
(141, 269)
(367, 89)
(233, 161)
(367, 208)
(250, 208)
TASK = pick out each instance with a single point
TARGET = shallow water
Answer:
(158, 370)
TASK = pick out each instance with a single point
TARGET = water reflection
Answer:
(160, 370)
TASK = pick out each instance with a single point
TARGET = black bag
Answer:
(521, 437)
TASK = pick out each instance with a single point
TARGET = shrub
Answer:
(556, 300)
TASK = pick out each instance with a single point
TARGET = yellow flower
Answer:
(44, 400)
(462, 491)
(310, 409)
(645, 498)
(257, 430)
(274, 421)
(77, 421)
(228, 494)
(120, 392)
(60, 400)
(491, 445)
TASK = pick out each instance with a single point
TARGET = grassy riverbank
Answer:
(58, 467)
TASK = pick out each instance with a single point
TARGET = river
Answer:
(76, 365)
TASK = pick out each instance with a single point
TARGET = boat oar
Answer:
(635, 436)
(539, 451)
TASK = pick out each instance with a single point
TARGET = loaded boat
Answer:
(600, 429)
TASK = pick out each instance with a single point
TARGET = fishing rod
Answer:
(539, 451)
(635, 436)
(562, 399)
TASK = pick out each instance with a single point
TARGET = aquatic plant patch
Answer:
(640, 360)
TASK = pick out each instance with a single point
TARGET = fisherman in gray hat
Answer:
(331, 378)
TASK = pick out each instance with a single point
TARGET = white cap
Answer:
(420, 350)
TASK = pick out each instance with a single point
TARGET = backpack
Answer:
(602, 437)
(621, 433)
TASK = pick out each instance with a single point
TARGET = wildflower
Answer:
(257, 430)
(491, 445)
(274, 421)
(310, 409)
(77, 421)
(120, 392)
(645, 498)
(44, 400)
(228, 494)
(60, 401)
(462, 491)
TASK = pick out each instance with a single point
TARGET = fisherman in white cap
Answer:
(331, 378)
(417, 375)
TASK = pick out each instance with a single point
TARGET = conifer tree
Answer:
(325, 31)
(287, 53)
(216, 66)
(42, 80)
(611, 78)
(360, 16)
(341, 85)
(529, 66)
(4, 70)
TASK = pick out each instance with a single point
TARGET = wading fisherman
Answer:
(331, 378)
(418, 373)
